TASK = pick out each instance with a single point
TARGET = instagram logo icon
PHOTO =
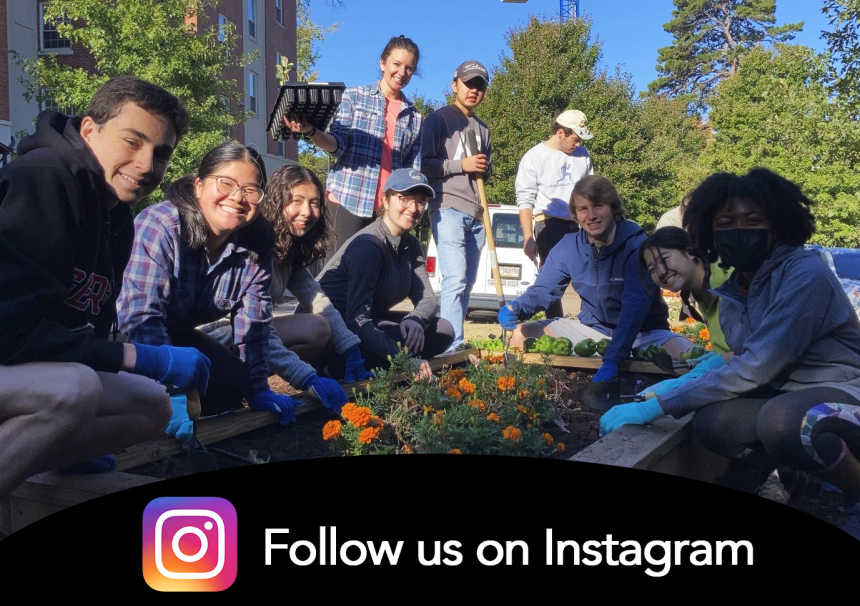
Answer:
(189, 544)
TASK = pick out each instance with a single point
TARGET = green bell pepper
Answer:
(562, 346)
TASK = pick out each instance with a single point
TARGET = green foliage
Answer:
(645, 147)
(153, 40)
(424, 105)
(844, 43)
(308, 34)
(777, 112)
(709, 39)
(486, 408)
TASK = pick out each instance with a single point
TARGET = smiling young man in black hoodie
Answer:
(67, 393)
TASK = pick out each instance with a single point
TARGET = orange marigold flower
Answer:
(456, 374)
(331, 430)
(522, 409)
(466, 386)
(704, 334)
(498, 359)
(358, 416)
(455, 451)
(547, 438)
(369, 434)
(453, 392)
(690, 321)
(493, 417)
(437, 418)
(532, 414)
(347, 408)
(406, 449)
(512, 433)
(523, 393)
(559, 447)
(375, 421)
(428, 409)
(478, 403)
(709, 347)
(541, 381)
(506, 383)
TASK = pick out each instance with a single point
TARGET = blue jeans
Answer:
(459, 240)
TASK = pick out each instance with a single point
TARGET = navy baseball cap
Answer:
(407, 180)
(472, 69)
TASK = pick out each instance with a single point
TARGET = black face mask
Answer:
(743, 249)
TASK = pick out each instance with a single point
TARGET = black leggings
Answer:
(346, 225)
(228, 376)
(438, 336)
(548, 233)
(805, 430)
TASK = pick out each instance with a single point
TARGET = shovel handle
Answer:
(193, 398)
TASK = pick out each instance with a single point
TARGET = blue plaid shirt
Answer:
(359, 129)
(168, 288)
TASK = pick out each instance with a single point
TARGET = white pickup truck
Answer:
(518, 272)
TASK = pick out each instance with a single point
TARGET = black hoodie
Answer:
(62, 252)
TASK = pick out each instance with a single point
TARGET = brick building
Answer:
(267, 26)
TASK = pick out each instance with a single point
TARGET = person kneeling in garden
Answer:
(601, 261)
(378, 268)
(789, 397)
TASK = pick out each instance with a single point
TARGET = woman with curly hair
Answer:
(790, 394)
(294, 208)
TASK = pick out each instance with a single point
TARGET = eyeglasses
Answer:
(405, 203)
(227, 187)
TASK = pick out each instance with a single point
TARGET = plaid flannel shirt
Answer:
(168, 288)
(359, 129)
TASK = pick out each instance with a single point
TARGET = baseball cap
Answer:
(408, 179)
(576, 121)
(472, 69)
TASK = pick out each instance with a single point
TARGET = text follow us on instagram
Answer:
(189, 544)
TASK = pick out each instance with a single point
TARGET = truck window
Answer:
(507, 232)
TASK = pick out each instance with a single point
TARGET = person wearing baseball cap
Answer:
(545, 180)
(377, 269)
(456, 215)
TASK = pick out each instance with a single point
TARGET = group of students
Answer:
(75, 273)
(780, 393)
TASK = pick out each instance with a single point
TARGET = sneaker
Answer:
(773, 489)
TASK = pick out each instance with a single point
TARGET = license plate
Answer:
(510, 271)
(508, 283)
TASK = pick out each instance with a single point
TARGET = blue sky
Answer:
(451, 31)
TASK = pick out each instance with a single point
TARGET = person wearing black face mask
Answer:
(789, 396)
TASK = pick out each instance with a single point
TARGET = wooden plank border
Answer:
(595, 362)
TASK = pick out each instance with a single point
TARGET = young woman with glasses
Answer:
(378, 268)
(199, 256)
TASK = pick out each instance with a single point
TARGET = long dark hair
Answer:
(401, 42)
(181, 192)
(304, 251)
(786, 207)
(671, 238)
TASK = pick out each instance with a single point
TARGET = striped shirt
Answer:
(359, 129)
(169, 288)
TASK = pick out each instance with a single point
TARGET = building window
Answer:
(51, 40)
(252, 91)
(252, 18)
(228, 130)
(279, 11)
(282, 148)
(223, 32)
(48, 102)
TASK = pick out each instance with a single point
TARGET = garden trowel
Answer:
(604, 395)
(200, 459)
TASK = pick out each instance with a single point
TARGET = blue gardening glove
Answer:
(708, 362)
(607, 372)
(269, 401)
(509, 315)
(355, 370)
(635, 413)
(180, 426)
(183, 367)
(328, 391)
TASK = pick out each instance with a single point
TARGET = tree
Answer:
(308, 34)
(844, 44)
(641, 146)
(709, 39)
(777, 112)
(167, 42)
